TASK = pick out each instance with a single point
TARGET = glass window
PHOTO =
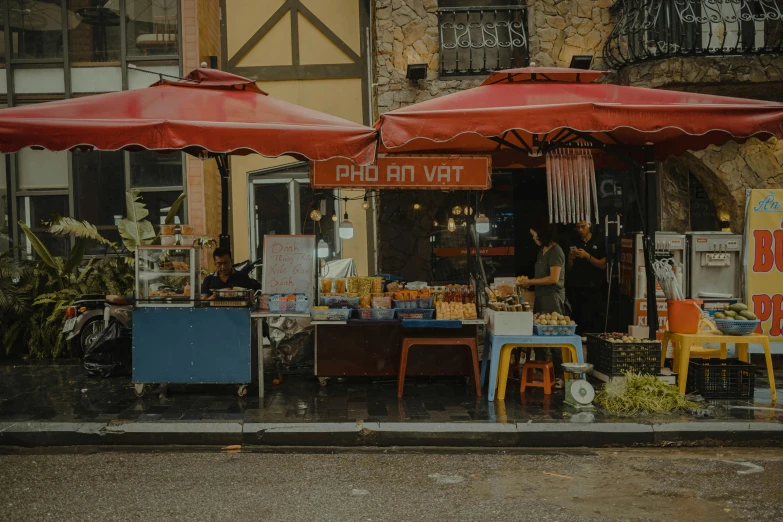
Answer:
(97, 37)
(37, 28)
(272, 212)
(2, 35)
(99, 191)
(42, 169)
(33, 210)
(152, 27)
(156, 169)
(159, 203)
(326, 226)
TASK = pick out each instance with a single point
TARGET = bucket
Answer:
(684, 316)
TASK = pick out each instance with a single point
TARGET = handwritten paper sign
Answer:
(410, 172)
(289, 265)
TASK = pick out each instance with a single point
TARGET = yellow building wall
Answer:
(339, 97)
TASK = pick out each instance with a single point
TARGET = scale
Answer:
(579, 392)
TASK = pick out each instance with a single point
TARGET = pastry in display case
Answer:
(168, 276)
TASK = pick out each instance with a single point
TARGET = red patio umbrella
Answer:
(208, 112)
(518, 115)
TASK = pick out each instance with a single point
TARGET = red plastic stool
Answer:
(548, 383)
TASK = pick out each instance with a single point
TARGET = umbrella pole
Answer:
(222, 165)
(650, 224)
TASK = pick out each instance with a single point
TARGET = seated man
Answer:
(225, 276)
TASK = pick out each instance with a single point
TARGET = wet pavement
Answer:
(62, 392)
(691, 485)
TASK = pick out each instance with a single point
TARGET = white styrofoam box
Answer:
(509, 323)
(641, 332)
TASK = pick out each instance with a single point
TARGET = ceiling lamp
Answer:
(416, 205)
(452, 225)
(334, 216)
(346, 227)
(316, 214)
(365, 203)
(482, 224)
(323, 249)
(457, 210)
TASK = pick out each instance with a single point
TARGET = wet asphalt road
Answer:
(210, 484)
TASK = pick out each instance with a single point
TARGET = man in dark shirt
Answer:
(225, 276)
(586, 280)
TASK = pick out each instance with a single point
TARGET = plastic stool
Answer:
(549, 376)
(469, 342)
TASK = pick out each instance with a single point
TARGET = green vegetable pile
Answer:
(638, 393)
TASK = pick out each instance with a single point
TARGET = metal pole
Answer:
(650, 225)
(222, 165)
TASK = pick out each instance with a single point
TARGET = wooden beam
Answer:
(300, 72)
(259, 35)
(328, 32)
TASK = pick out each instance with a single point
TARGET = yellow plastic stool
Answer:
(568, 351)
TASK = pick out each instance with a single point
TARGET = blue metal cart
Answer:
(180, 345)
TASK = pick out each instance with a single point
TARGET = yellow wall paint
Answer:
(315, 48)
(340, 97)
(274, 48)
(341, 16)
(244, 18)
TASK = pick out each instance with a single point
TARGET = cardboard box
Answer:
(509, 323)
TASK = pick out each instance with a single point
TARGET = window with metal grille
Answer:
(479, 36)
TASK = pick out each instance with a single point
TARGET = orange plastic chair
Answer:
(548, 382)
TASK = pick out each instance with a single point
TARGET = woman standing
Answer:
(549, 273)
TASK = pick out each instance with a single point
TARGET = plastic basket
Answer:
(377, 314)
(332, 314)
(336, 300)
(424, 302)
(415, 313)
(736, 327)
(554, 329)
(722, 378)
(407, 303)
(300, 306)
(618, 358)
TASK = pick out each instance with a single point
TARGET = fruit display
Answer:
(736, 312)
(552, 319)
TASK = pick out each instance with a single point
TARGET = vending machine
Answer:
(714, 269)
(633, 279)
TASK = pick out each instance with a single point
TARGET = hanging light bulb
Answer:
(365, 203)
(457, 210)
(452, 225)
(468, 211)
(334, 216)
(482, 224)
(323, 249)
(434, 223)
(416, 205)
(346, 227)
(315, 214)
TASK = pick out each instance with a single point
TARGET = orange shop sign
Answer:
(405, 172)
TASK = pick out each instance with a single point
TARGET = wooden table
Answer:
(684, 342)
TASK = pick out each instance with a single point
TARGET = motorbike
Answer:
(89, 314)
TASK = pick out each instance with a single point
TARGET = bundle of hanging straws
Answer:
(667, 278)
(570, 181)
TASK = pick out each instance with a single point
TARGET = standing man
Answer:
(586, 281)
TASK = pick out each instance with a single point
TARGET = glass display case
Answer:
(167, 276)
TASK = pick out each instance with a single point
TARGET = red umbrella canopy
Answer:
(516, 113)
(210, 111)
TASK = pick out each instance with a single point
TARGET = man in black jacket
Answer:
(586, 280)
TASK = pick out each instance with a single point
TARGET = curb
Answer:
(358, 434)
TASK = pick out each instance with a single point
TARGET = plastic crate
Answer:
(736, 327)
(300, 306)
(618, 358)
(415, 313)
(333, 300)
(554, 329)
(332, 314)
(722, 378)
(377, 314)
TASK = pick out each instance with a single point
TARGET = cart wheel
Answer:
(140, 388)
(323, 381)
(242, 390)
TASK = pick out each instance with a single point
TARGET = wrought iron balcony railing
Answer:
(655, 29)
(477, 40)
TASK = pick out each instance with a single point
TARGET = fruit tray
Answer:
(734, 327)
(554, 329)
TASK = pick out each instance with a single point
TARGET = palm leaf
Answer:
(174, 209)
(66, 226)
(39, 247)
(134, 229)
(77, 255)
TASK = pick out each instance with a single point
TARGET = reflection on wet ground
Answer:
(61, 392)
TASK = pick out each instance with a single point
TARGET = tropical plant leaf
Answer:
(77, 255)
(135, 209)
(66, 226)
(205, 241)
(38, 246)
(174, 209)
(134, 229)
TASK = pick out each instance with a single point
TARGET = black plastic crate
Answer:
(618, 358)
(721, 378)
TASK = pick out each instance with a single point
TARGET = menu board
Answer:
(289, 265)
